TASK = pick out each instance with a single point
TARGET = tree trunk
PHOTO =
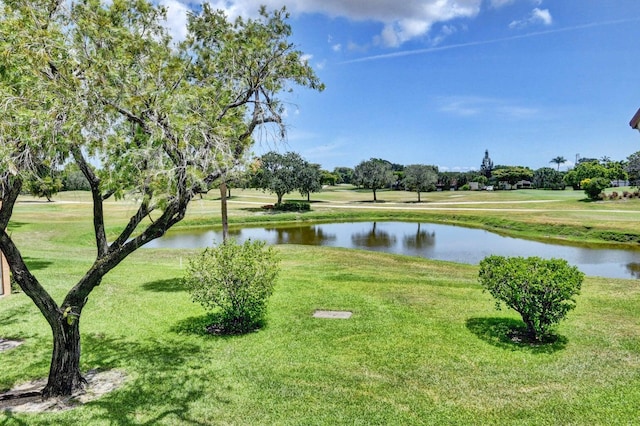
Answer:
(374, 196)
(64, 373)
(223, 207)
(418, 196)
(279, 198)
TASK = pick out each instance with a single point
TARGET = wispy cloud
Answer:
(500, 3)
(537, 16)
(469, 106)
(403, 53)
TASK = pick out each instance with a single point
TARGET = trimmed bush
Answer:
(594, 187)
(235, 281)
(542, 291)
(293, 206)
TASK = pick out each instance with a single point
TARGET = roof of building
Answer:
(635, 121)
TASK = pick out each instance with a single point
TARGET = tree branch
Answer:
(134, 221)
(10, 186)
(98, 209)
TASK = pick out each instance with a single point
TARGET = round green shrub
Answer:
(542, 291)
(236, 281)
(594, 187)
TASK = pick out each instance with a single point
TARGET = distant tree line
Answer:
(282, 174)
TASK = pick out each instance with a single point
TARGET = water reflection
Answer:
(374, 238)
(306, 235)
(634, 269)
(453, 243)
(421, 240)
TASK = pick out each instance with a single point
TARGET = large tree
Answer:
(103, 83)
(278, 173)
(420, 178)
(373, 174)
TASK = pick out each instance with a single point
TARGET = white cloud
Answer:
(402, 20)
(542, 15)
(176, 18)
(496, 4)
(537, 16)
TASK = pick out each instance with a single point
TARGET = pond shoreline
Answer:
(429, 240)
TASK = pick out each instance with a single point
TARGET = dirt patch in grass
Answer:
(28, 399)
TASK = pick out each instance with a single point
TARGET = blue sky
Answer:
(439, 81)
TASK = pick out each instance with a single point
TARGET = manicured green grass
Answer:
(424, 346)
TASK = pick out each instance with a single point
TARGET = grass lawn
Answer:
(424, 346)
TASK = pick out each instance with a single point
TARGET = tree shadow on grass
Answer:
(196, 326)
(172, 285)
(166, 376)
(210, 324)
(509, 333)
(16, 315)
(36, 264)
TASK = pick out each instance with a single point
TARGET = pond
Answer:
(440, 242)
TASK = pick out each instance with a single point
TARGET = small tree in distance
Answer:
(309, 179)
(558, 160)
(278, 173)
(541, 291)
(373, 174)
(486, 167)
(45, 187)
(633, 168)
(420, 178)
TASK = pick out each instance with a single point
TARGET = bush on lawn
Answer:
(236, 281)
(542, 291)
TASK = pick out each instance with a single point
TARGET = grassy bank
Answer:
(424, 345)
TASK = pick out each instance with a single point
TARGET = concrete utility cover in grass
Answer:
(5, 345)
(332, 314)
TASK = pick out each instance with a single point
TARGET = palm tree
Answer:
(559, 160)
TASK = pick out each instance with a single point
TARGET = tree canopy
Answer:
(103, 83)
(512, 174)
(373, 174)
(278, 173)
(548, 178)
(420, 178)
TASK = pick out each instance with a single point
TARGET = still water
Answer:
(441, 242)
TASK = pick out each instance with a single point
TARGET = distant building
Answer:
(635, 121)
